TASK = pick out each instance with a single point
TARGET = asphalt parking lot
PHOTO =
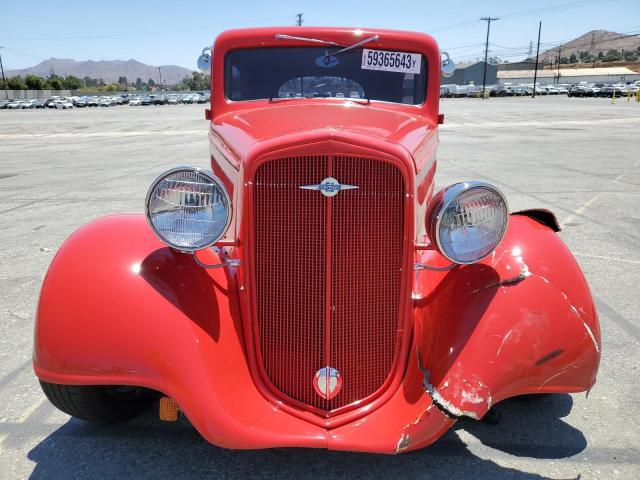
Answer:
(577, 157)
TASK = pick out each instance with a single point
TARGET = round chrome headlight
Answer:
(469, 221)
(188, 208)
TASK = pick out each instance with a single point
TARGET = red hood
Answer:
(241, 129)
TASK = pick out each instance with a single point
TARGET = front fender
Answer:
(522, 321)
(118, 307)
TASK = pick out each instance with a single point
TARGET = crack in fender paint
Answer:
(447, 406)
(405, 438)
(524, 273)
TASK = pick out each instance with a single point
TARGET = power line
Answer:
(510, 52)
(556, 8)
(526, 13)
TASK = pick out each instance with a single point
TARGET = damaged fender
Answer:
(521, 321)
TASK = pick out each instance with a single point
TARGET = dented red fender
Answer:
(118, 307)
(521, 321)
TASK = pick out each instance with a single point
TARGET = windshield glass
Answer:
(312, 72)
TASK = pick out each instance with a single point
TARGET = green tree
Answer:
(139, 84)
(16, 83)
(72, 83)
(585, 56)
(56, 83)
(90, 82)
(123, 80)
(151, 83)
(197, 81)
(35, 82)
(573, 58)
(612, 55)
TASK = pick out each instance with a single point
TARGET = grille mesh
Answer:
(291, 265)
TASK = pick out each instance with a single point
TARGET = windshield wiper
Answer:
(363, 101)
(282, 36)
(284, 99)
(355, 45)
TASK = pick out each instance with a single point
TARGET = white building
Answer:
(569, 75)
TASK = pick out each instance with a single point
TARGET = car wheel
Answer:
(99, 404)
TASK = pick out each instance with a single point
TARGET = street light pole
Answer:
(6, 93)
(486, 53)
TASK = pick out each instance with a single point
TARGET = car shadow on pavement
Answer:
(147, 448)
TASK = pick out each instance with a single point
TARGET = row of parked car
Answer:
(107, 101)
(604, 90)
(571, 90)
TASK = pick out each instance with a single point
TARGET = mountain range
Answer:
(107, 70)
(593, 42)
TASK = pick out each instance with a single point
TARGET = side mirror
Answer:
(448, 67)
(204, 60)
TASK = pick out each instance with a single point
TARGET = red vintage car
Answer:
(313, 290)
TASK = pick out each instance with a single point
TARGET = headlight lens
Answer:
(188, 208)
(470, 221)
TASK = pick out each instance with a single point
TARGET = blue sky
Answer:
(163, 32)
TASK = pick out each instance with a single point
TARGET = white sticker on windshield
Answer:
(388, 61)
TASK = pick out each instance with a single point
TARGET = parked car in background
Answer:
(92, 102)
(135, 101)
(172, 100)
(13, 105)
(583, 91)
(105, 102)
(145, 100)
(62, 104)
(79, 102)
(610, 90)
(159, 100)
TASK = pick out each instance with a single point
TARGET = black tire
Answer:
(100, 404)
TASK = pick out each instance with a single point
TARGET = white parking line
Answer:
(537, 123)
(29, 411)
(579, 211)
(602, 257)
(138, 133)
(619, 177)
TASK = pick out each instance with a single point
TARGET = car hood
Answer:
(239, 130)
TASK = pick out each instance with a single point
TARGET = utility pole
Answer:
(160, 74)
(559, 50)
(486, 53)
(299, 21)
(6, 93)
(535, 73)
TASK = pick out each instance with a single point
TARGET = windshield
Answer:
(314, 72)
